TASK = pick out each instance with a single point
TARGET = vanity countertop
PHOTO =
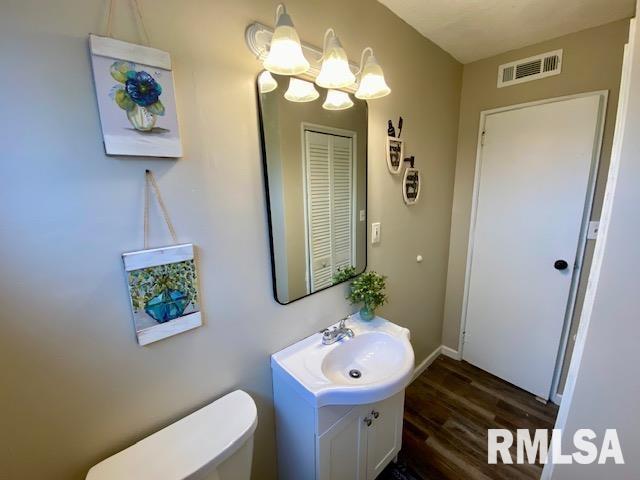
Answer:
(373, 365)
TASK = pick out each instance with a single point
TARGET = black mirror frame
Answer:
(265, 175)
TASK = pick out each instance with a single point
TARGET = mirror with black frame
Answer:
(315, 163)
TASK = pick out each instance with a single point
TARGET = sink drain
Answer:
(355, 373)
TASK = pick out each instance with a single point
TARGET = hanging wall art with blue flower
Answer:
(136, 99)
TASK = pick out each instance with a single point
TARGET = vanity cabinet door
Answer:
(384, 436)
(342, 448)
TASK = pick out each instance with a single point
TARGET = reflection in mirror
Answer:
(315, 159)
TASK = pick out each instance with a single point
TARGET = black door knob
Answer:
(560, 265)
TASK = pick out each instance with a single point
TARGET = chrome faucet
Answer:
(336, 333)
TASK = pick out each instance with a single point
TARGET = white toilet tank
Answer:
(213, 443)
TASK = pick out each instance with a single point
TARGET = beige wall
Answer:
(75, 386)
(592, 60)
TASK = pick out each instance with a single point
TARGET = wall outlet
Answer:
(375, 233)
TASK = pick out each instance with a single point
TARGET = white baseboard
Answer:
(451, 353)
(423, 365)
(441, 350)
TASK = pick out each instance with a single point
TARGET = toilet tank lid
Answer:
(205, 438)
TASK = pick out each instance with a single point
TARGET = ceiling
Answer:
(474, 29)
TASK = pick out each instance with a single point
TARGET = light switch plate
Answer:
(592, 231)
(375, 233)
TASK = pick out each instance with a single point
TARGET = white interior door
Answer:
(532, 187)
(330, 191)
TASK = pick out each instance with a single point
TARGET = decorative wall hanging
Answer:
(411, 183)
(391, 130)
(163, 283)
(136, 98)
(395, 151)
(394, 147)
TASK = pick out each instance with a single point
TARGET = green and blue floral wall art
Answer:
(136, 98)
(163, 289)
(164, 292)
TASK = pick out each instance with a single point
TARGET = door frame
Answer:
(601, 247)
(586, 217)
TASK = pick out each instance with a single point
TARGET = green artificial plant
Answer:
(343, 274)
(367, 289)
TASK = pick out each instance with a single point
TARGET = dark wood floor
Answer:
(448, 410)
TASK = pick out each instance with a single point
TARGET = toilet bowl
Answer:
(213, 443)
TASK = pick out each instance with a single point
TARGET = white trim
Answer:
(585, 221)
(169, 329)
(582, 245)
(441, 350)
(305, 183)
(159, 147)
(594, 275)
(451, 353)
(423, 365)
(112, 48)
(556, 398)
(152, 257)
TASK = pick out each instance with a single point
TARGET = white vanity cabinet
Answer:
(335, 442)
(362, 443)
(339, 405)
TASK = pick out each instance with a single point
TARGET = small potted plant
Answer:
(367, 288)
(343, 274)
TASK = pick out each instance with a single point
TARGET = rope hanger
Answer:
(149, 183)
(137, 12)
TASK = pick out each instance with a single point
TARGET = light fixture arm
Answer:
(370, 51)
(258, 38)
(325, 39)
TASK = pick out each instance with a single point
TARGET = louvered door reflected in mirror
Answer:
(315, 162)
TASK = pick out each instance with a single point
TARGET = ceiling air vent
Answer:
(528, 69)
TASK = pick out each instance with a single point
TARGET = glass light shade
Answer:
(335, 71)
(266, 82)
(285, 53)
(337, 100)
(301, 91)
(372, 83)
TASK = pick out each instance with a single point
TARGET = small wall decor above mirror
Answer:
(394, 147)
(315, 162)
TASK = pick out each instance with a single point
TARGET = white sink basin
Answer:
(379, 352)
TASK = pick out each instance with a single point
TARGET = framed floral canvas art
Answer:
(136, 99)
(163, 288)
